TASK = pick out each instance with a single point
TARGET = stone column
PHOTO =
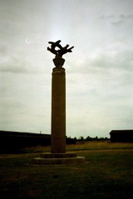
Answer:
(58, 153)
(58, 115)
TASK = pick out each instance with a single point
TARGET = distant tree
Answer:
(96, 138)
(88, 138)
(81, 138)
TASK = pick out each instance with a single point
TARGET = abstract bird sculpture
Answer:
(61, 50)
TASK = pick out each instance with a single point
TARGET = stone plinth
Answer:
(58, 158)
(58, 155)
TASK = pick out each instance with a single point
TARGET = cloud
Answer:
(122, 16)
(106, 17)
(126, 16)
(14, 64)
(117, 55)
(20, 60)
(98, 72)
(119, 19)
(117, 23)
(110, 17)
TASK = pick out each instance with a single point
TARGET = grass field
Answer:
(107, 173)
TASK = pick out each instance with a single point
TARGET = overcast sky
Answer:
(99, 75)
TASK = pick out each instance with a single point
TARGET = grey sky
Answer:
(99, 71)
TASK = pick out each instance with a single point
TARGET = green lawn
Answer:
(107, 173)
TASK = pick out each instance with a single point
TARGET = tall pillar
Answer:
(58, 153)
(58, 115)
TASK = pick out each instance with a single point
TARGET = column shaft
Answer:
(58, 128)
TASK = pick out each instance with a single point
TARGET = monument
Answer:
(58, 153)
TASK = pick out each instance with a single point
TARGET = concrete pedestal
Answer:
(58, 158)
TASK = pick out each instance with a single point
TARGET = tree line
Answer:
(88, 138)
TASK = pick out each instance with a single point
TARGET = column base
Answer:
(58, 158)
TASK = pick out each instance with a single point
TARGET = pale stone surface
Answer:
(58, 155)
(54, 161)
(58, 158)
